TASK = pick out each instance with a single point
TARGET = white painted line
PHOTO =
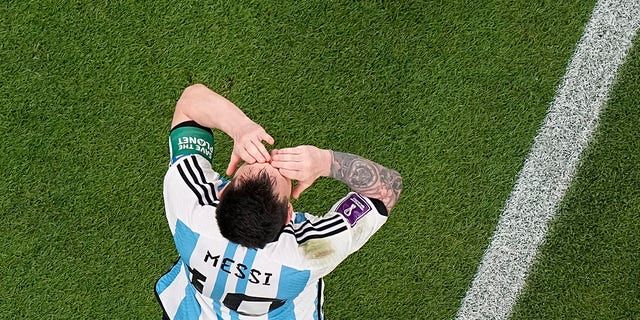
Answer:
(552, 161)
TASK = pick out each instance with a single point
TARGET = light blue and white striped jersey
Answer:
(218, 279)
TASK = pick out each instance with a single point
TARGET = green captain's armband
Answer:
(186, 140)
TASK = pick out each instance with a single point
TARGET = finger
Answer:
(243, 154)
(295, 150)
(287, 165)
(267, 138)
(263, 151)
(300, 187)
(290, 174)
(253, 152)
(286, 157)
(247, 157)
(233, 164)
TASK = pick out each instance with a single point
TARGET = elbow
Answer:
(396, 183)
(189, 95)
(184, 106)
(394, 189)
(193, 90)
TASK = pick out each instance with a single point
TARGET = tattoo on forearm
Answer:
(367, 177)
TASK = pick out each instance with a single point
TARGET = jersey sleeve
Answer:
(363, 217)
(191, 186)
(324, 242)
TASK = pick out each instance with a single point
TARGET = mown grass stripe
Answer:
(551, 164)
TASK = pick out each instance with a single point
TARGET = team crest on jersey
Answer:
(353, 208)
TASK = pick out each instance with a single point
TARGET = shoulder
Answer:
(355, 206)
(306, 227)
(191, 177)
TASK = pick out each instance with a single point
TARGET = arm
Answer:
(209, 109)
(307, 163)
(367, 177)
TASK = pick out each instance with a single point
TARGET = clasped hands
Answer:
(303, 164)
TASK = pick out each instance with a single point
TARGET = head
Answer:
(254, 206)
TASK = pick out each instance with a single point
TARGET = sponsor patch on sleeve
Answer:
(354, 207)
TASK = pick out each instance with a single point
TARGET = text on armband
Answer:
(193, 143)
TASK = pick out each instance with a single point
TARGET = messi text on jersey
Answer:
(239, 270)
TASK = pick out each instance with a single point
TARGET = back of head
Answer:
(250, 212)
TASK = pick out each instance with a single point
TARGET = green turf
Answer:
(589, 267)
(450, 93)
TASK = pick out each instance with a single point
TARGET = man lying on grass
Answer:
(244, 252)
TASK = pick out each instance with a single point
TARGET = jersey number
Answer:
(251, 306)
(240, 303)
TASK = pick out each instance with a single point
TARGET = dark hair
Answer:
(250, 213)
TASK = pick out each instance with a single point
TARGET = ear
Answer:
(223, 189)
(289, 212)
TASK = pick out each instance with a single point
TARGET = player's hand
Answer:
(248, 146)
(303, 163)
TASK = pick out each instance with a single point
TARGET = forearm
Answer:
(366, 177)
(209, 109)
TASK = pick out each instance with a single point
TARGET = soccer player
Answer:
(244, 252)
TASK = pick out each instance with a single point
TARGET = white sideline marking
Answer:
(552, 161)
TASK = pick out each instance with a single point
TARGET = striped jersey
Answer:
(215, 278)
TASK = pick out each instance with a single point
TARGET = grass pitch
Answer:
(450, 94)
(589, 266)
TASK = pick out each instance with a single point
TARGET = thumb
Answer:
(300, 187)
(233, 163)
